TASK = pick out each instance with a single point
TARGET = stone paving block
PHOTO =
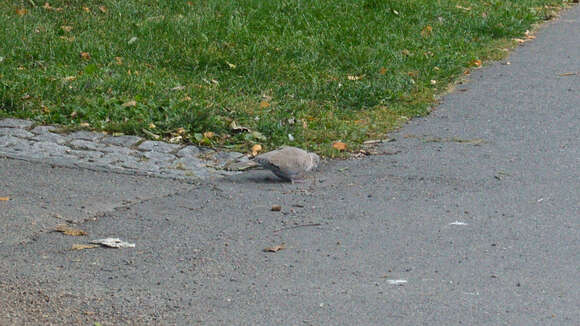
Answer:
(157, 156)
(85, 154)
(86, 145)
(120, 150)
(15, 132)
(43, 129)
(50, 137)
(158, 146)
(15, 123)
(51, 149)
(124, 140)
(11, 141)
(86, 135)
(188, 164)
(188, 151)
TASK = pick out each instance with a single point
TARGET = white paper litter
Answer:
(458, 223)
(396, 282)
(113, 243)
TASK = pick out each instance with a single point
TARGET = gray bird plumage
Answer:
(288, 163)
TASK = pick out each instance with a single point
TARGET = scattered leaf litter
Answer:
(113, 243)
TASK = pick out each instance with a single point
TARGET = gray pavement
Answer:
(473, 218)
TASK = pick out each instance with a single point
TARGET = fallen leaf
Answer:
(275, 248)
(352, 77)
(476, 63)
(86, 9)
(103, 9)
(69, 78)
(426, 32)
(339, 146)
(175, 140)
(84, 124)
(180, 131)
(234, 126)
(113, 243)
(21, 12)
(383, 70)
(208, 134)
(433, 82)
(83, 246)
(4, 198)
(178, 88)
(257, 148)
(276, 208)
(66, 28)
(463, 8)
(231, 65)
(73, 114)
(152, 125)
(264, 104)
(85, 55)
(406, 52)
(132, 40)
(65, 229)
(567, 74)
(119, 60)
(47, 6)
(519, 40)
(129, 104)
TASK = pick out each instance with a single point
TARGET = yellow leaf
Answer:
(339, 146)
(83, 246)
(181, 131)
(152, 125)
(352, 77)
(4, 198)
(264, 104)
(427, 31)
(65, 229)
(86, 9)
(383, 71)
(231, 65)
(208, 134)
(257, 148)
(85, 55)
(129, 104)
(21, 12)
(476, 63)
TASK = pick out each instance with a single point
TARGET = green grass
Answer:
(277, 67)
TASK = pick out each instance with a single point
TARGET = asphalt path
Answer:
(470, 216)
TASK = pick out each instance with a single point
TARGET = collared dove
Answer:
(288, 163)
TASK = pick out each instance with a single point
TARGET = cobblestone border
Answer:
(21, 139)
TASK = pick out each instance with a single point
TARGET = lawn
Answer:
(235, 73)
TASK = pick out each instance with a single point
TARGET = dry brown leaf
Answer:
(180, 131)
(383, 71)
(83, 246)
(275, 248)
(73, 114)
(276, 208)
(264, 104)
(69, 78)
(186, 98)
(519, 40)
(426, 32)
(339, 146)
(129, 104)
(66, 28)
(119, 60)
(152, 125)
(47, 6)
(466, 72)
(65, 229)
(103, 9)
(4, 198)
(209, 134)
(21, 12)
(86, 9)
(476, 63)
(257, 148)
(85, 55)
(406, 52)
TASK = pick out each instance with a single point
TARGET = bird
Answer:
(288, 163)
